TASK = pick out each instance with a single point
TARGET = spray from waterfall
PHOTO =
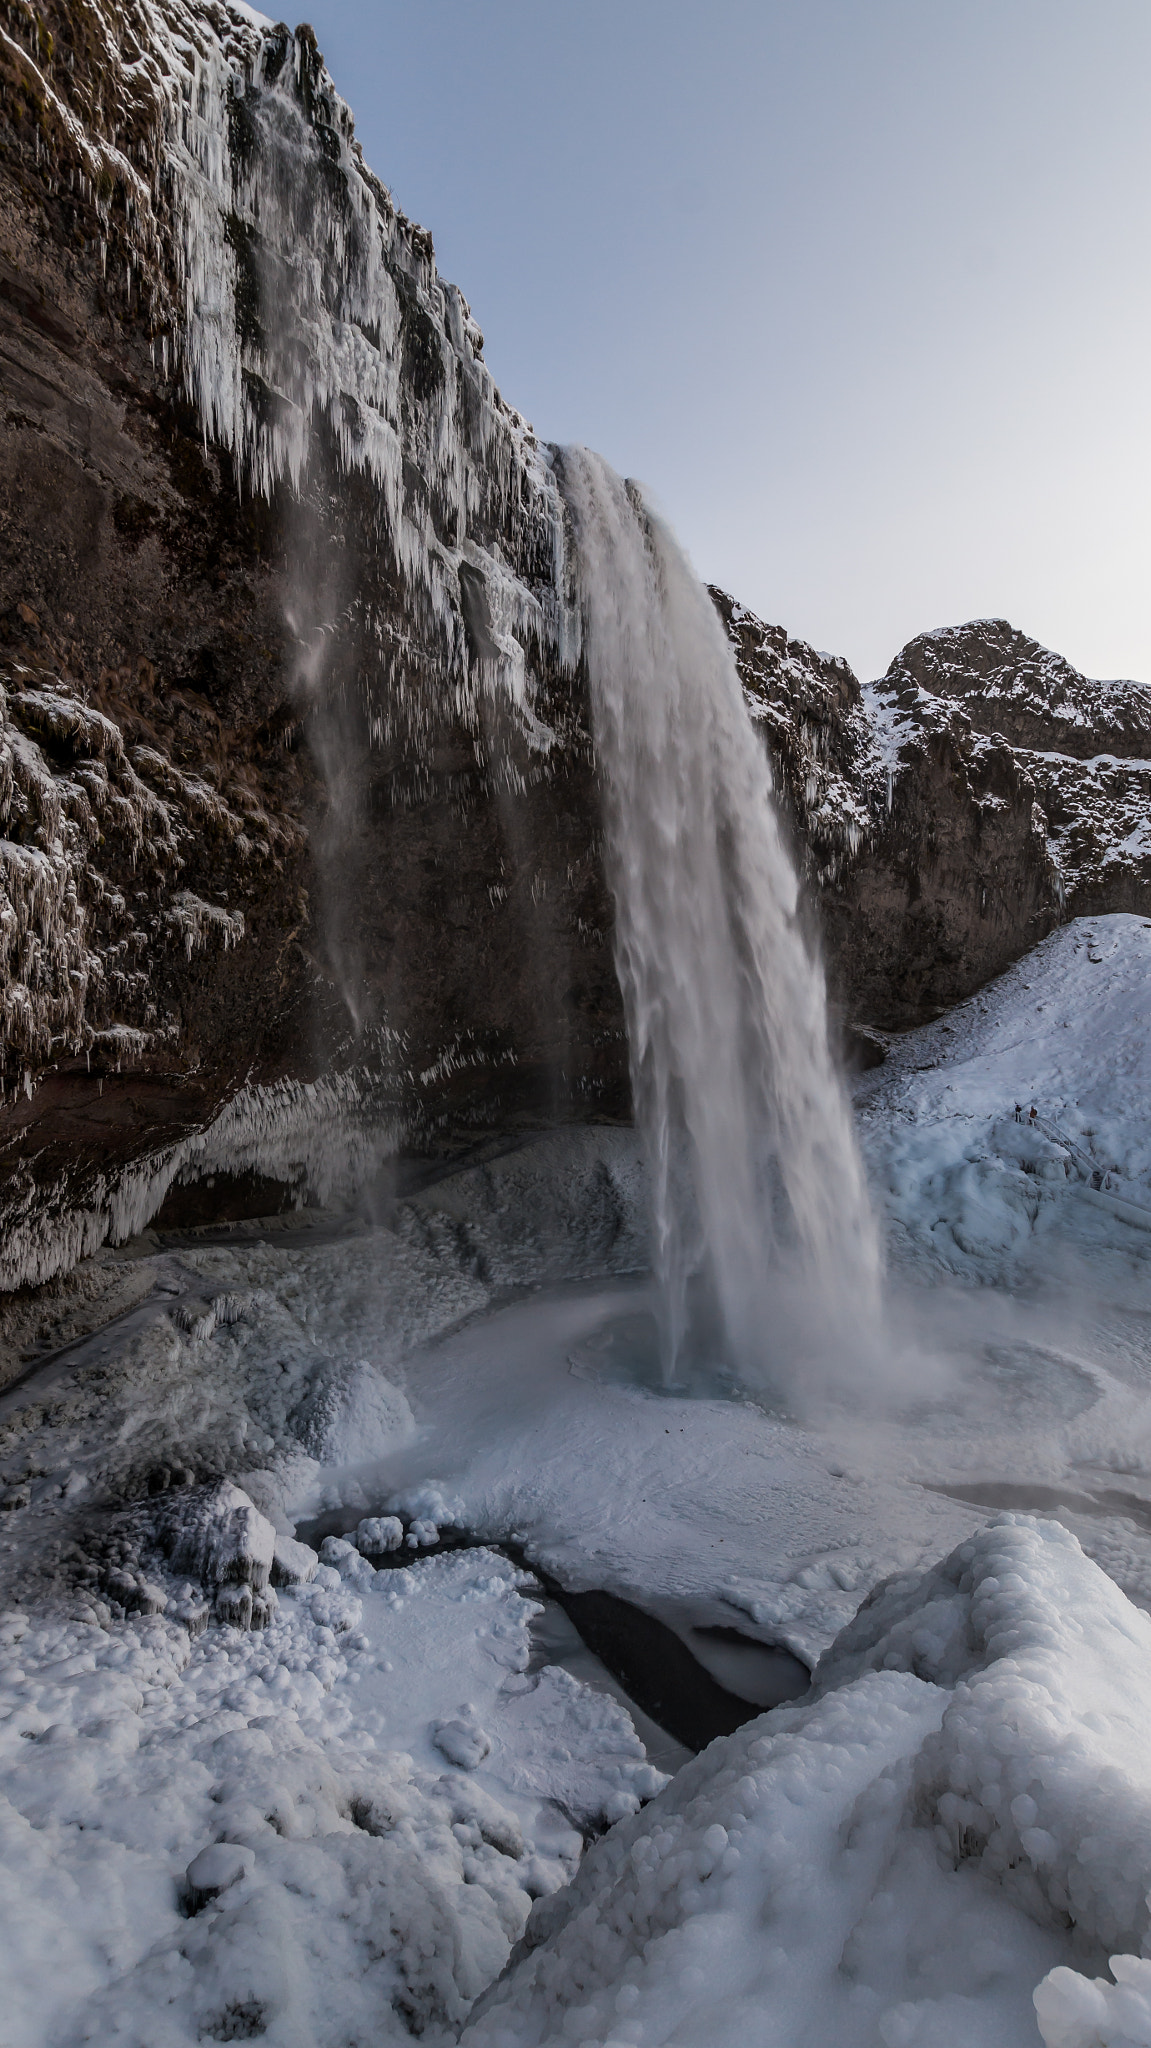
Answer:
(764, 1246)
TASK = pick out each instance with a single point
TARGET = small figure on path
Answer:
(1019, 1112)
(1034, 1117)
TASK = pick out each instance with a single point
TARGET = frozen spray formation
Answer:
(764, 1244)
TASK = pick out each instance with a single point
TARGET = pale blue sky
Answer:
(859, 288)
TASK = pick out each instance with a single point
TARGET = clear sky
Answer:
(860, 289)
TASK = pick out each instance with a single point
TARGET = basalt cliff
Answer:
(299, 828)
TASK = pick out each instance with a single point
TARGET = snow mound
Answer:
(895, 1861)
(1040, 1773)
(462, 1740)
(217, 1535)
(1075, 2012)
(352, 1413)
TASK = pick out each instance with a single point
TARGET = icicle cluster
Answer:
(315, 327)
(324, 1138)
(304, 315)
(78, 955)
(51, 975)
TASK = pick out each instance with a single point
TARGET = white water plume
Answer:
(765, 1249)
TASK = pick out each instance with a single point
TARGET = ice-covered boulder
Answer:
(351, 1413)
(1080, 2012)
(376, 1535)
(293, 1563)
(218, 1537)
(961, 1809)
(462, 1740)
(217, 1867)
(343, 1557)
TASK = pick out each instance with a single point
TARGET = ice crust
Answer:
(345, 1883)
(878, 1865)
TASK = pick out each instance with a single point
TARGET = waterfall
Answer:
(764, 1247)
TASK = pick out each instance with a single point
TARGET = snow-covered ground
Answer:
(386, 1774)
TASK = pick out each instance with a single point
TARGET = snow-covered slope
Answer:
(1066, 1031)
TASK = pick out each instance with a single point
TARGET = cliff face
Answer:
(948, 816)
(299, 832)
(293, 779)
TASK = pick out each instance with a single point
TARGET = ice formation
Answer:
(313, 326)
(758, 1194)
(323, 1137)
(894, 1861)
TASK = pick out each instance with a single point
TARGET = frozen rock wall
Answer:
(292, 776)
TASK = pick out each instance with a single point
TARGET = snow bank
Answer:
(257, 1836)
(1040, 1774)
(352, 1413)
(1068, 1029)
(896, 1861)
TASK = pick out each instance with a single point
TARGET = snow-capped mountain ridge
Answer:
(952, 813)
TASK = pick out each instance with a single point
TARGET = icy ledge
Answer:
(323, 1137)
(961, 1810)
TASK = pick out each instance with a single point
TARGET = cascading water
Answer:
(765, 1249)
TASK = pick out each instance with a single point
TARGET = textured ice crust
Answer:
(1066, 1029)
(257, 1835)
(895, 1862)
(1080, 2012)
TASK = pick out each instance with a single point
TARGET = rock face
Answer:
(299, 831)
(948, 816)
(293, 778)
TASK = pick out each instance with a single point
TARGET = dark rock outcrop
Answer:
(950, 815)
